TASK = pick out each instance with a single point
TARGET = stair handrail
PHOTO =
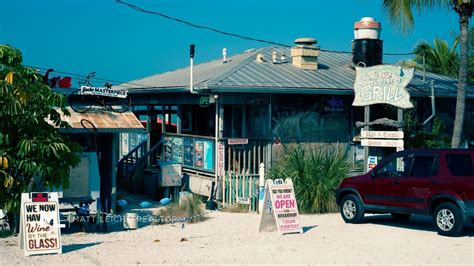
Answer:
(130, 153)
(137, 152)
(142, 161)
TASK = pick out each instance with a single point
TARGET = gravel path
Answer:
(232, 238)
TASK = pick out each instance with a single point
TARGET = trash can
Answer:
(130, 221)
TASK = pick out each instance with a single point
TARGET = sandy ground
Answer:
(233, 238)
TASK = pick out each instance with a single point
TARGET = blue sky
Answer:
(80, 36)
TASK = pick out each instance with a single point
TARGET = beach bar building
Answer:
(220, 120)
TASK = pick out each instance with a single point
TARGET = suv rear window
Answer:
(460, 164)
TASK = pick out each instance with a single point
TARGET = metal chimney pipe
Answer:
(224, 55)
(191, 64)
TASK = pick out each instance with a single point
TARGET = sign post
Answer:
(40, 228)
(281, 208)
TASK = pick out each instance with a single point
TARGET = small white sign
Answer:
(372, 162)
(243, 200)
(237, 141)
(220, 159)
(381, 142)
(381, 134)
(40, 228)
(100, 91)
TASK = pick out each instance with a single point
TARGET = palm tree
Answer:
(438, 58)
(400, 12)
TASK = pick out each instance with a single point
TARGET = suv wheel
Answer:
(352, 210)
(401, 216)
(447, 219)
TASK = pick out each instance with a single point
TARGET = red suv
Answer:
(435, 182)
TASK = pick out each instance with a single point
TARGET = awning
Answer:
(104, 122)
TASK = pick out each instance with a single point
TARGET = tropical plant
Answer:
(30, 145)
(400, 12)
(428, 136)
(438, 58)
(316, 171)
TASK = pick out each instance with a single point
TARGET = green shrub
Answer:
(190, 211)
(316, 171)
(236, 208)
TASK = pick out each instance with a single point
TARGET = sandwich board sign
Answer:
(281, 208)
(40, 228)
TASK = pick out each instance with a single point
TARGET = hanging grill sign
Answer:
(383, 84)
(100, 91)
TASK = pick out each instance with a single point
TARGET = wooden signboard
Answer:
(171, 175)
(383, 84)
(100, 91)
(381, 142)
(40, 228)
(281, 210)
(381, 134)
(243, 200)
(220, 159)
(237, 141)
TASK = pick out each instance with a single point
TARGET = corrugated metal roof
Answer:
(244, 74)
(179, 79)
(104, 122)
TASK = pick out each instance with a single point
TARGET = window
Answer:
(460, 164)
(424, 166)
(397, 166)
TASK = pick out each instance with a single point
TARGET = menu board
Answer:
(199, 152)
(196, 153)
(209, 155)
(177, 150)
(167, 149)
(188, 159)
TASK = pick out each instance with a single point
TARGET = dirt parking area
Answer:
(233, 238)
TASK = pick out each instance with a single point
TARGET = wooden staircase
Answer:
(137, 171)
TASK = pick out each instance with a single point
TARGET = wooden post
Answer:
(179, 119)
(114, 159)
(261, 188)
(149, 127)
(366, 149)
(400, 119)
(244, 122)
(163, 119)
(270, 133)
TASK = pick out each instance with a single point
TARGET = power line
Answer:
(85, 76)
(191, 24)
